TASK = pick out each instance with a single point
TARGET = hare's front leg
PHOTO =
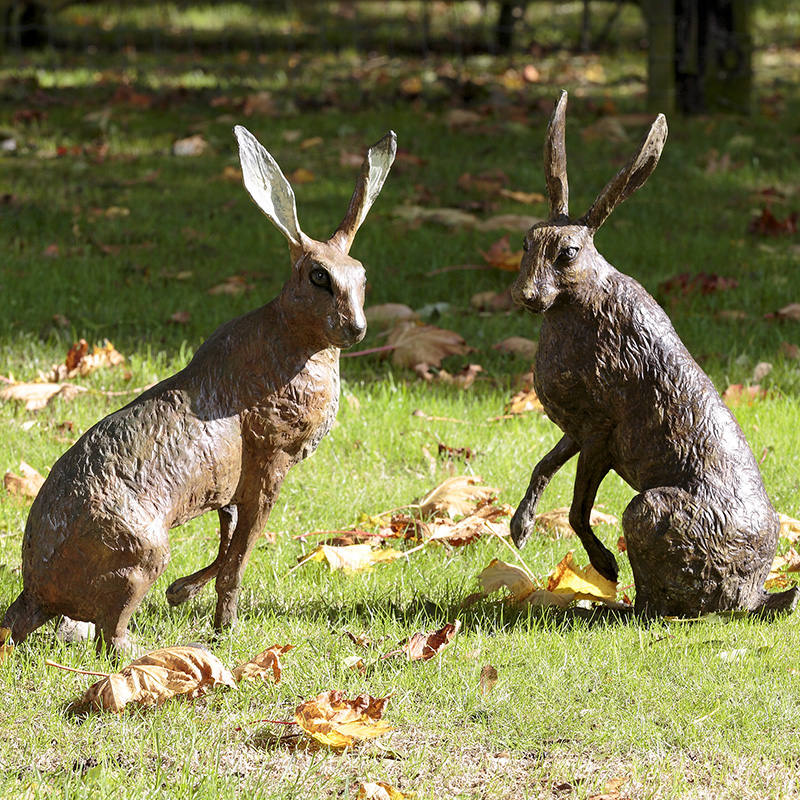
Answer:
(523, 519)
(184, 589)
(593, 466)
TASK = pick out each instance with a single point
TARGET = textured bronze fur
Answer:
(612, 373)
(221, 434)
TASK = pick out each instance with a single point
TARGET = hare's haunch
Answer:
(221, 434)
(612, 373)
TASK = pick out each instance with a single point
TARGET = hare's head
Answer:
(326, 288)
(560, 257)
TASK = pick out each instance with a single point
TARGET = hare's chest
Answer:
(294, 419)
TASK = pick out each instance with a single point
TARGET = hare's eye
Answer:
(320, 277)
(569, 252)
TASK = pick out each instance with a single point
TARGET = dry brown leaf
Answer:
(493, 301)
(456, 496)
(157, 677)
(80, 362)
(524, 402)
(789, 312)
(190, 146)
(556, 521)
(484, 520)
(738, 394)
(518, 345)
(461, 380)
(381, 791)
(388, 313)
(351, 557)
(790, 528)
(583, 583)
(509, 222)
(301, 175)
(529, 198)
(500, 256)
(499, 574)
(488, 679)
(424, 646)
(264, 666)
(788, 562)
(25, 485)
(259, 103)
(37, 395)
(235, 284)
(335, 721)
(415, 344)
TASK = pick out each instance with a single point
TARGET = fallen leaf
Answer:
(51, 251)
(462, 117)
(788, 312)
(263, 666)
(529, 198)
(350, 558)
(518, 346)
(381, 791)
(231, 174)
(790, 528)
(355, 663)
(524, 402)
(484, 521)
(500, 574)
(301, 175)
(788, 562)
(79, 362)
(584, 583)
(791, 351)
(493, 301)
(235, 284)
(158, 676)
(415, 344)
(258, 103)
(500, 256)
(703, 283)
(488, 679)
(509, 222)
(6, 644)
(737, 394)
(38, 395)
(424, 646)
(556, 521)
(190, 146)
(767, 224)
(333, 720)
(389, 313)
(456, 496)
(180, 318)
(25, 485)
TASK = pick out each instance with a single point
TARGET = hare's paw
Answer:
(522, 523)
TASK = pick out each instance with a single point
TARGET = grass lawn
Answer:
(106, 234)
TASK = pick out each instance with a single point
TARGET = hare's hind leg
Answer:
(24, 616)
(667, 536)
(184, 589)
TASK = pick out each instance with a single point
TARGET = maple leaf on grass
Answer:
(157, 677)
(333, 720)
(25, 485)
(350, 558)
(424, 646)
(415, 344)
(456, 496)
(264, 666)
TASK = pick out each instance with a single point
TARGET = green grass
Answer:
(580, 701)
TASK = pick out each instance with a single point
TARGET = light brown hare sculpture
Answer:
(221, 434)
(612, 373)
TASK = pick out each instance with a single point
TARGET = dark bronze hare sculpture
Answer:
(221, 434)
(612, 373)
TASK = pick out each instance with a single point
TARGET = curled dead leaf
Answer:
(25, 485)
(159, 676)
(388, 313)
(584, 583)
(424, 646)
(485, 520)
(381, 791)
(37, 395)
(350, 558)
(333, 720)
(263, 666)
(500, 256)
(456, 496)
(415, 344)
(790, 528)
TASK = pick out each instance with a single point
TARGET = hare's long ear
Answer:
(374, 170)
(630, 177)
(555, 160)
(267, 185)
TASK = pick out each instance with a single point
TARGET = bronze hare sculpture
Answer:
(612, 373)
(221, 434)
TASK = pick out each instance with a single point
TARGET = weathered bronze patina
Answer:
(612, 373)
(257, 397)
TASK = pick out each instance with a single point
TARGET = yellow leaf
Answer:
(265, 665)
(790, 528)
(350, 557)
(501, 574)
(381, 791)
(585, 583)
(6, 644)
(456, 496)
(424, 344)
(301, 175)
(333, 720)
(25, 485)
(523, 197)
(524, 402)
(158, 676)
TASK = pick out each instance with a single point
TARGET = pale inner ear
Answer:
(267, 185)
